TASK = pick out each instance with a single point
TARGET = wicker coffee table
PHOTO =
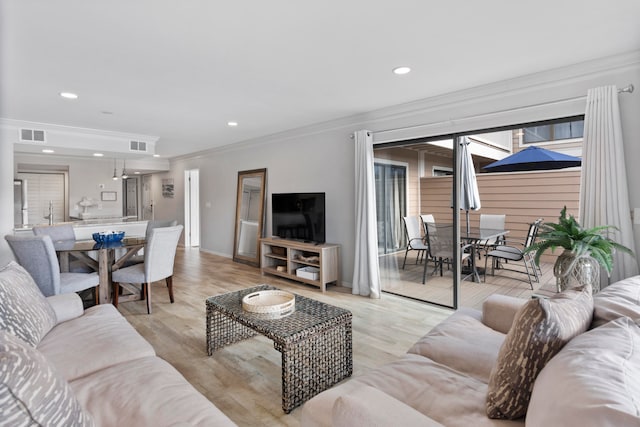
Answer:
(315, 341)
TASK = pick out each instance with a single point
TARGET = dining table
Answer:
(106, 261)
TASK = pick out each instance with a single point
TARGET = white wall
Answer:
(321, 158)
(6, 198)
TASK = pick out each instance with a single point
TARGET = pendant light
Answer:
(124, 170)
(115, 176)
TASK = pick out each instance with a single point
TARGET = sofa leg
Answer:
(169, 281)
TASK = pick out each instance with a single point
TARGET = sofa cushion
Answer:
(435, 390)
(100, 338)
(592, 381)
(32, 392)
(24, 311)
(145, 392)
(369, 407)
(621, 298)
(463, 343)
(540, 330)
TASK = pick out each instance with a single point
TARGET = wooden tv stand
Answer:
(282, 257)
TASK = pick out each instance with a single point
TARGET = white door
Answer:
(192, 207)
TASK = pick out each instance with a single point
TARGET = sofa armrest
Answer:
(370, 407)
(498, 311)
(66, 306)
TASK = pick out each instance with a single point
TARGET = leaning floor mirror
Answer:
(250, 215)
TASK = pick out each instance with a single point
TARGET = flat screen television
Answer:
(298, 216)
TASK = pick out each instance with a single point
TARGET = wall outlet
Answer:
(207, 205)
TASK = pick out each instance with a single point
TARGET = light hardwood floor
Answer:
(244, 379)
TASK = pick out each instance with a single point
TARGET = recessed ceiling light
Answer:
(156, 155)
(401, 70)
(47, 150)
(98, 154)
(68, 95)
(232, 124)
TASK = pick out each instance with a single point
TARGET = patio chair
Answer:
(415, 240)
(38, 256)
(494, 222)
(159, 256)
(508, 252)
(440, 249)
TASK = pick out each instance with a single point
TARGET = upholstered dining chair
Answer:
(38, 256)
(159, 256)
(63, 232)
(152, 224)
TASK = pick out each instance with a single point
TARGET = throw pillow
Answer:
(593, 381)
(24, 311)
(32, 392)
(540, 329)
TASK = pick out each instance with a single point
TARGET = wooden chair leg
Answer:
(169, 281)
(116, 291)
(96, 293)
(147, 287)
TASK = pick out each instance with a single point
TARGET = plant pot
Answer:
(573, 271)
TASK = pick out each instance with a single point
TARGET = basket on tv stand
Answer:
(283, 257)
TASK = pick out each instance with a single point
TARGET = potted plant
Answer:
(585, 249)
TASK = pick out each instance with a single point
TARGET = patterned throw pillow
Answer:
(32, 392)
(24, 311)
(540, 330)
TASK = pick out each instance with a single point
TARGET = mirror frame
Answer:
(254, 173)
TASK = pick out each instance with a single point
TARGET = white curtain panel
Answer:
(366, 272)
(604, 197)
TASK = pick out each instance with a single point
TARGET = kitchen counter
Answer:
(86, 227)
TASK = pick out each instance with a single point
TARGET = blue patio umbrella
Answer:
(533, 158)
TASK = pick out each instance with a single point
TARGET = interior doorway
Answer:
(130, 197)
(147, 201)
(192, 207)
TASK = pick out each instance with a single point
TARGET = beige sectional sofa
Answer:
(445, 378)
(62, 365)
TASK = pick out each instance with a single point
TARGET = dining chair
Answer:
(38, 256)
(63, 232)
(415, 240)
(516, 251)
(159, 257)
(151, 224)
(493, 222)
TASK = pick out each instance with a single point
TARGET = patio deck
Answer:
(408, 282)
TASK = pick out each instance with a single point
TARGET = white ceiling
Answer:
(180, 70)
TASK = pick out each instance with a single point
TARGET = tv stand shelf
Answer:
(282, 257)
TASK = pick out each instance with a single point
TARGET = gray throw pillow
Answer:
(32, 392)
(539, 331)
(24, 311)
